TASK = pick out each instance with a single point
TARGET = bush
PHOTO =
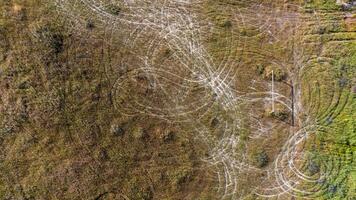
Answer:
(57, 43)
(280, 112)
(343, 82)
(332, 189)
(180, 177)
(139, 190)
(260, 69)
(227, 24)
(313, 167)
(19, 12)
(138, 132)
(261, 159)
(90, 25)
(329, 120)
(4, 44)
(52, 38)
(279, 74)
(117, 130)
(168, 136)
(113, 9)
(321, 30)
(215, 122)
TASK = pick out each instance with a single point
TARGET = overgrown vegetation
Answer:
(62, 136)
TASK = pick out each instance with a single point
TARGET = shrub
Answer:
(279, 74)
(329, 120)
(280, 112)
(332, 189)
(313, 167)
(321, 30)
(214, 123)
(57, 43)
(90, 25)
(261, 159)
(19, 12)
(138, 133)
(113, 9)
(343, 82)
(139, 190)
(4, 44)
(227, 24)
(117, 130)
(52, 38)
(260, 69)
(168, 136)
(180, 177)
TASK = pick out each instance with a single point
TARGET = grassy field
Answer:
(173, 100)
